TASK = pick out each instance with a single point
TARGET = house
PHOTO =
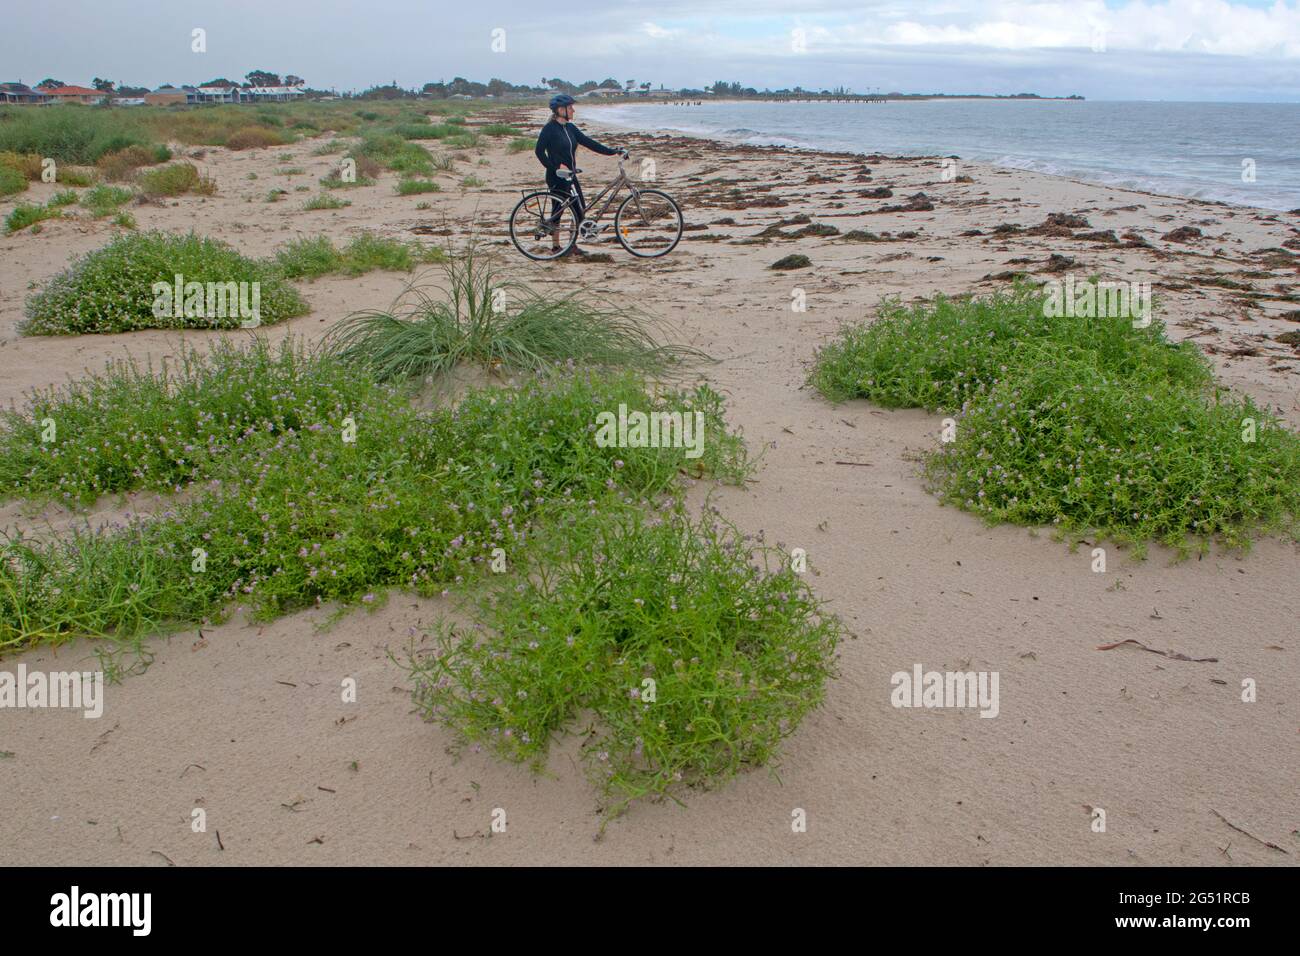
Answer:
(217, 94)
(605, 91)
(72, 94)
(21, 93)
(169, 95)
(259, 94)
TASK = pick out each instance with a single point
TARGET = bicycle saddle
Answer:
(567, 173)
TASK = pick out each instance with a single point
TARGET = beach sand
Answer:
(247, 722)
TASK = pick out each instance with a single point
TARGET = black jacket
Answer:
(557, 144)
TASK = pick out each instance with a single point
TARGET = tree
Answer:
(220, 81)
(292, 80)
(104, 86)
(51, 84)
(262, 78)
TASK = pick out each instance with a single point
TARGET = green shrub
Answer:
(11, 181)
(393, 152)
(521, 144)
(937, 354)
(105, 200)
(75, 176)
(412, 187)
(66, 198)
(417, 501)
(27, 165)
(175, 179)
(121, 165)
(472, 182)
(498, 129)
(28, 214)
(693, 662)
(1090, 425)
(111, 289)
(1134, 457)
(69, 133)
(317, 256)
(255, 137)
(421, 131)
(324, 201)
(367, 252)
(307, 258)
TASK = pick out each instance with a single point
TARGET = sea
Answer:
(1240, 153)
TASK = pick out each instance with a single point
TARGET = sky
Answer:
(1217, 50)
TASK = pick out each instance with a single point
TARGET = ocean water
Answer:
(1179, 149)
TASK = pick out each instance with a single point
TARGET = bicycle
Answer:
(544, 225)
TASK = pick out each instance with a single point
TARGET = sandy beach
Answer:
(245, 721)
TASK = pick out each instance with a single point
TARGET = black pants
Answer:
(561, 187)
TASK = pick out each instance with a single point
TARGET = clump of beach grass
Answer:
(414, 187)
(71, 134)
(476, 314)
(105, 200)
(310, 257)
(123, 164)
(325, 201)
(11, 181)
(393, 152)
(25, 215)
(175, 179)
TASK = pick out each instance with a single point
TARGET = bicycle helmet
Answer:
(561, 99)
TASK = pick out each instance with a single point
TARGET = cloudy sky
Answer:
(1233, 50)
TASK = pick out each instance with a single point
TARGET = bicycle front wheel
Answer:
(648, 223)
(539, 231)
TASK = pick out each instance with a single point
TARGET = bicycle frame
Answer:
(613, 191)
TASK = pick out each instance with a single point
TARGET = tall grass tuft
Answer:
(476, 314)
(316, 256)
(175, 179)
(69, 133)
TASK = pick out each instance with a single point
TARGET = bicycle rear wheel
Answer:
(648, 223)
(537, 233)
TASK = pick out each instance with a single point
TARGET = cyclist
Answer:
(557, 147)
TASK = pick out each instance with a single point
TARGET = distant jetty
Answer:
(871, 97)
